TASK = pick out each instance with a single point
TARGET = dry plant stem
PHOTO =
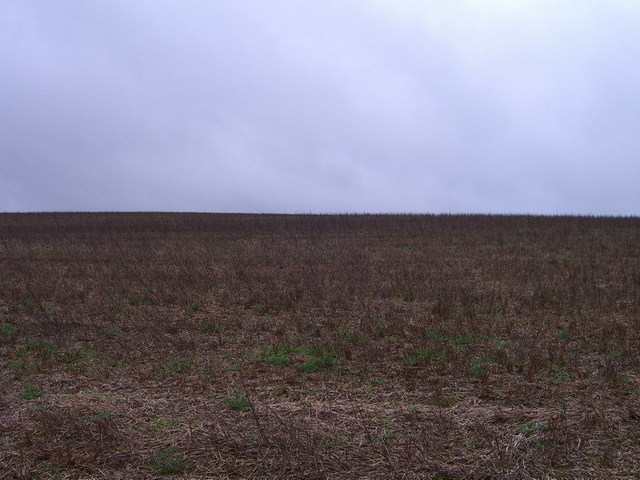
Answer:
(361, 346)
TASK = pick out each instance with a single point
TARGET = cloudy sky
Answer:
(484, 106)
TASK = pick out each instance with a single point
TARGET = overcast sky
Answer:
(484, 106)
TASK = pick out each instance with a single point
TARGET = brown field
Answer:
(337, 346)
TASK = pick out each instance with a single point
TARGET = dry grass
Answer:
(348, 346)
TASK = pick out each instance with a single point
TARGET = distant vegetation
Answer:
(333, 346)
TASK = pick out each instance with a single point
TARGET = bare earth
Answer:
(146, 345)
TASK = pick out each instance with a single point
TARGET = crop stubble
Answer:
(332, 346)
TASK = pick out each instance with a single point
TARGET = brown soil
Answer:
(334, 346)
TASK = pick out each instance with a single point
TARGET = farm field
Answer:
(148, 345)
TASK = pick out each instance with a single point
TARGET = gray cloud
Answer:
(281, 106)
